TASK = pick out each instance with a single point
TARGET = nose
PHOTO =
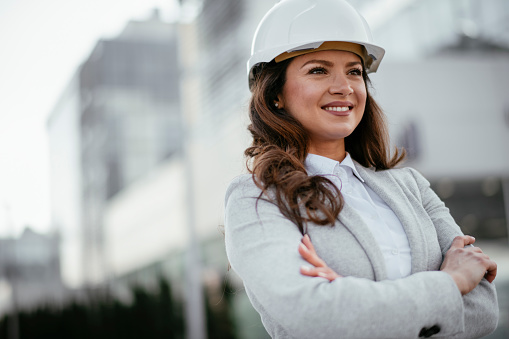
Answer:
(341, 85)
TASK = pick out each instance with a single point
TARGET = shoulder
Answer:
(413, 176)
(410, 178)
(407, 179)
(240, 187)
(408, 174)
(404, 175)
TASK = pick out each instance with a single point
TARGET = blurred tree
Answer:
(152, 314)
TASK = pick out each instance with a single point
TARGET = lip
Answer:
(348, 104)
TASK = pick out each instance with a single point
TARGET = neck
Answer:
(333, 150)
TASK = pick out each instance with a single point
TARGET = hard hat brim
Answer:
(371, 54)
(374, 52)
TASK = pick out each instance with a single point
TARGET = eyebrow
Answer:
(330, 64)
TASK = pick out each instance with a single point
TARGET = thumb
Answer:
(462, 241)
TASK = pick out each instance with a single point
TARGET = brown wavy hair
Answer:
(280, 146)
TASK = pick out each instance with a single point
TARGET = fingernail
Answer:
(302, 246)
(305, 268)
(322, 274)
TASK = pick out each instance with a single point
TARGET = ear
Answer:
(279, 103)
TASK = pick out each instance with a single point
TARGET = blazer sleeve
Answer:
(480, 306)
(262, 244)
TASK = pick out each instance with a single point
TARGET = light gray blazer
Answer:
(261, 245)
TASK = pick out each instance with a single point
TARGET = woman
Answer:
(330, 239)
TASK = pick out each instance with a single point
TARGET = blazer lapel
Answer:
(354, 223)
(383, 184)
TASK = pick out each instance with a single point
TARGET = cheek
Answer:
(299, 96)
(362, 93)
(295, 99)
(362, 96)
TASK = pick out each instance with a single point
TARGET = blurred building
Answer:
(415, 29)
(30, 270)
(443, 87)
(118, 119)
(452, 122)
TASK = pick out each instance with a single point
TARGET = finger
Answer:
(492, 271)
(462, 241)
(308, 271)
(322, 272)
(327, 273)
(476, 249)
(315, 259)
(472, 248)
(327, 276)
(307, 241)
(310, 257)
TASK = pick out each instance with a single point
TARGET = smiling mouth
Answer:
(338, 108)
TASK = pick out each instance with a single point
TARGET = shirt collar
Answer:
(319, 165)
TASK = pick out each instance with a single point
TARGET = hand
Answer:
(468, 265)
(320, 268)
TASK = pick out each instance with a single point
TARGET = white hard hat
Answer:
(295, 27)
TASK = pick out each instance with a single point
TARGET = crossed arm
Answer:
(467, 265)
(262, 248)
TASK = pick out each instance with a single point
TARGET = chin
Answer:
(341, 134)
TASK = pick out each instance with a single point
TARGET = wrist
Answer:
(459, 281)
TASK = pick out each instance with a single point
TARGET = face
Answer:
(326, 93)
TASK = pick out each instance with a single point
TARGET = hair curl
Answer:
(280, 147)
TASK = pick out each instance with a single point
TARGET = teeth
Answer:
(337, 109)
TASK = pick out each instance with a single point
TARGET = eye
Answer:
(356, 71)
(317, 70)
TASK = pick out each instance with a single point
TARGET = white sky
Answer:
(41, 45)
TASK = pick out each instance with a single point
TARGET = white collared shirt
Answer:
(378, 216)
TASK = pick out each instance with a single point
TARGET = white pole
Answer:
(505, 191)
(194, 305)
(195, 314)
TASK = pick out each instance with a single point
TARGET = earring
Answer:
(276, 104)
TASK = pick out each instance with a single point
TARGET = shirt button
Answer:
(395, 252)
